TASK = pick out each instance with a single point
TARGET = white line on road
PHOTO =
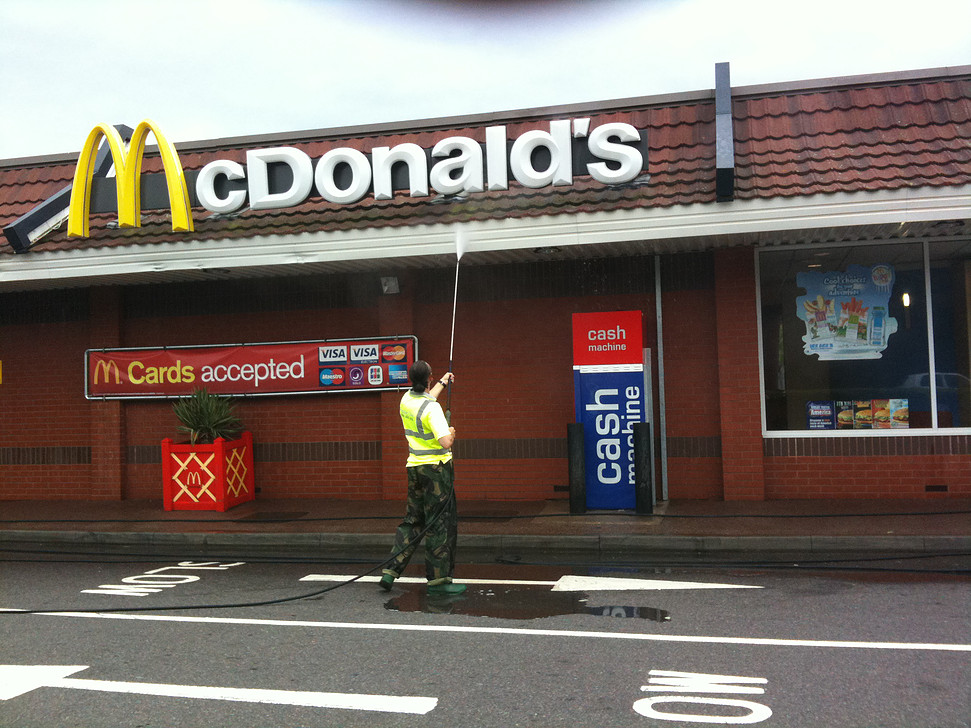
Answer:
(419, 580)
(568, 583)
(455, 629)
(19, 679)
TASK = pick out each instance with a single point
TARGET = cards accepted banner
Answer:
(610, 396)
(301, 367)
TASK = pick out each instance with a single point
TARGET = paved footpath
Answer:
(521, 528)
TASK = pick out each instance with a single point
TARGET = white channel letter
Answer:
(558, 141)
(384, 158)
(461, 173)
(496, 161)
(360, 175)
(257, 163)
(206, 186)
(601, 145)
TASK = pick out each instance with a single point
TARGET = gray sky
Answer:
(205, 69)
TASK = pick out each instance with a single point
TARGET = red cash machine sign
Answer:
(611, 337)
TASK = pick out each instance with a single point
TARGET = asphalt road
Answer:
(526, 646)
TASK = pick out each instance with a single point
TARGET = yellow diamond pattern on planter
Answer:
(212, 477)
(236, 471)
(194, 473)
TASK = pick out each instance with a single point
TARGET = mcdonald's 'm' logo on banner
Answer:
(104, 369)
(128, 172)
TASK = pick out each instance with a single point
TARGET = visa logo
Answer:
(364, 353)
(332, 354)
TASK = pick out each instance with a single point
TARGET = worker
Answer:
(431, 493)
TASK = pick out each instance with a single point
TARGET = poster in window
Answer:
(820, 415)
(845, 312)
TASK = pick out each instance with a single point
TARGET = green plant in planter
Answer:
(207, 416)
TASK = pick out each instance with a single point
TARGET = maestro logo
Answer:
(333, 377)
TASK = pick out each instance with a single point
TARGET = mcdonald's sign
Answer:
(102, 370)
(612, 153)
(128, 171)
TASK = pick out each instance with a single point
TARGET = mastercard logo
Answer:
(393, 353)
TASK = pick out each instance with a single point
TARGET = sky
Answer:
(208, 69)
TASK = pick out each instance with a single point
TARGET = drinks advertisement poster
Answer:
(845, 312)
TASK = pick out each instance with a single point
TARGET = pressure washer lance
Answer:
(460, 244)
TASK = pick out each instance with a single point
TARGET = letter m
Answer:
(128, 172)
(103, 369)
(693, 682)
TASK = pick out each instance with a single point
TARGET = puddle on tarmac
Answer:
(515, 604)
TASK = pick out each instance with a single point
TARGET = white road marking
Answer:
(456, 629)
(605, 583)
(19, 679)
(419, 580)
(564, 583)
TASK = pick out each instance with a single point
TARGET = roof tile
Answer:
(852, 137)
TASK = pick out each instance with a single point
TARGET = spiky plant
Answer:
(207, 416)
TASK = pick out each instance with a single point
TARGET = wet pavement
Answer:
(517, 603)
(507, 529)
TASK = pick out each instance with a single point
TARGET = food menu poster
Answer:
(845, 312)
(858, 414)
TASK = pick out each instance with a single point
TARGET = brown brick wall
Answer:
(738, 375)
(511, 401)
(868, 467)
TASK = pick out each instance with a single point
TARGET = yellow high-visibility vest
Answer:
(424, 423)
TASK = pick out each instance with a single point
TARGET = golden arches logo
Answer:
(104, 368)
(128, 171)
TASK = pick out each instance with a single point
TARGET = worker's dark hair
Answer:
(419, 374)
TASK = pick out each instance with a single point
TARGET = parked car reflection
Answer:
(953, 396)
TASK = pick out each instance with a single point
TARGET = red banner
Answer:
(304, 367)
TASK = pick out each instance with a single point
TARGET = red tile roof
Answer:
(858, 134)
(909, 134)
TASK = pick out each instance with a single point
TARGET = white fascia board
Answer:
(642, 224)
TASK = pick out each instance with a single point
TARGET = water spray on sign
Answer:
(460, 244)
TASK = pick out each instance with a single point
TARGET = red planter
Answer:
(208, 477)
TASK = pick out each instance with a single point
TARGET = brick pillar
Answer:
(396, 317)
(107, 417)
(740, 407)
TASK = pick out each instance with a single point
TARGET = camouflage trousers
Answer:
(431, 504)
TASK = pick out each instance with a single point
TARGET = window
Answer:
(950, 266)
(845, 337)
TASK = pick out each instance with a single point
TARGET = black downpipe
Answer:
(643, 469)
(577, 474)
